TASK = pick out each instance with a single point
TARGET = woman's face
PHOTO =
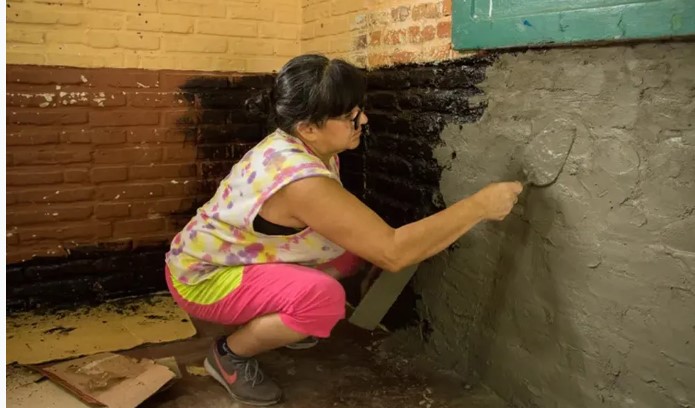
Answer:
(343, 133)
(336, 134)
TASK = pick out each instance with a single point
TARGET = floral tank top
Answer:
(221, 233)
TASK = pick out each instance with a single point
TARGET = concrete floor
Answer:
(355, 368)
(350, 370)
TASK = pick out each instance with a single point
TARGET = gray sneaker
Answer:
(305, 343)
(242, 378)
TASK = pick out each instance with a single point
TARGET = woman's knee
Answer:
(318, 308)
(329, 293)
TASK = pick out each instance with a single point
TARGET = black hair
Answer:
(312, 88)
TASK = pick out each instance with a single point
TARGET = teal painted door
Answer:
(480, 24)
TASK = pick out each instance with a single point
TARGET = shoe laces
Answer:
(253, 372)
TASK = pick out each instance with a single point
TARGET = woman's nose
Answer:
(364, 119)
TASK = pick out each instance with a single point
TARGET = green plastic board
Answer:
(481, 24)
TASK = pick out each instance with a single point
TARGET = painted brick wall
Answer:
(209, 35)
(115, 156)
(373, 33)
(408, 107)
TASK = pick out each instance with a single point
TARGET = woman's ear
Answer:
(307, 131)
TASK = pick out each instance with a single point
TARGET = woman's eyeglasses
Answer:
(356, 120)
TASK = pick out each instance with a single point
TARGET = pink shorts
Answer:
(308, 300)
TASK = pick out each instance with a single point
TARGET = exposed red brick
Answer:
(395, 37)
(45, 118)
(439, 52)
(134, 155)
(123, 118)
(29, 137)
(361, 42)
(124, 228)
(76, 175)
(428, 33)
(429, 10)
(444, 29)
(108, 174)
(414, 35)
(401, 13)
(24, 178)
(49, 214)
(112, 210)
(446, 7)
(403, 57)
(375, 38)
(162, 171)
(129, 191)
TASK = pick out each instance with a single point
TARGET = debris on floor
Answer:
(197, 370)
(117, 325)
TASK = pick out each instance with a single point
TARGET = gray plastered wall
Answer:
(585, 295)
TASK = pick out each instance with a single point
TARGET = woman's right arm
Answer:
(325, 206)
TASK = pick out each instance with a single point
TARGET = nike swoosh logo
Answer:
(229, 378)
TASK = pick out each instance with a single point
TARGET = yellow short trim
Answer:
(222, 283)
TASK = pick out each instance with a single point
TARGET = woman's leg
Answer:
(262, 334)
(277, 304)
(343, 266)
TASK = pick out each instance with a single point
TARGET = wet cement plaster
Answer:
(585, 296)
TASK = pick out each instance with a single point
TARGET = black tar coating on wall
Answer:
(393, 171)
(408, 107)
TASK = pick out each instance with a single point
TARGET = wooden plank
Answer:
(481, 24)
(380, 297)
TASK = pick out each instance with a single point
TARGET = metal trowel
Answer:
(545, 155)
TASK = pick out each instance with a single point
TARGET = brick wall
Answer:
(208, 35)
(408, 107)
(372, 33)
(116, 157)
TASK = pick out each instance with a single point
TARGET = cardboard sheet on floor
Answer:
(109, 379)
(118, 325)
(29, 389)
